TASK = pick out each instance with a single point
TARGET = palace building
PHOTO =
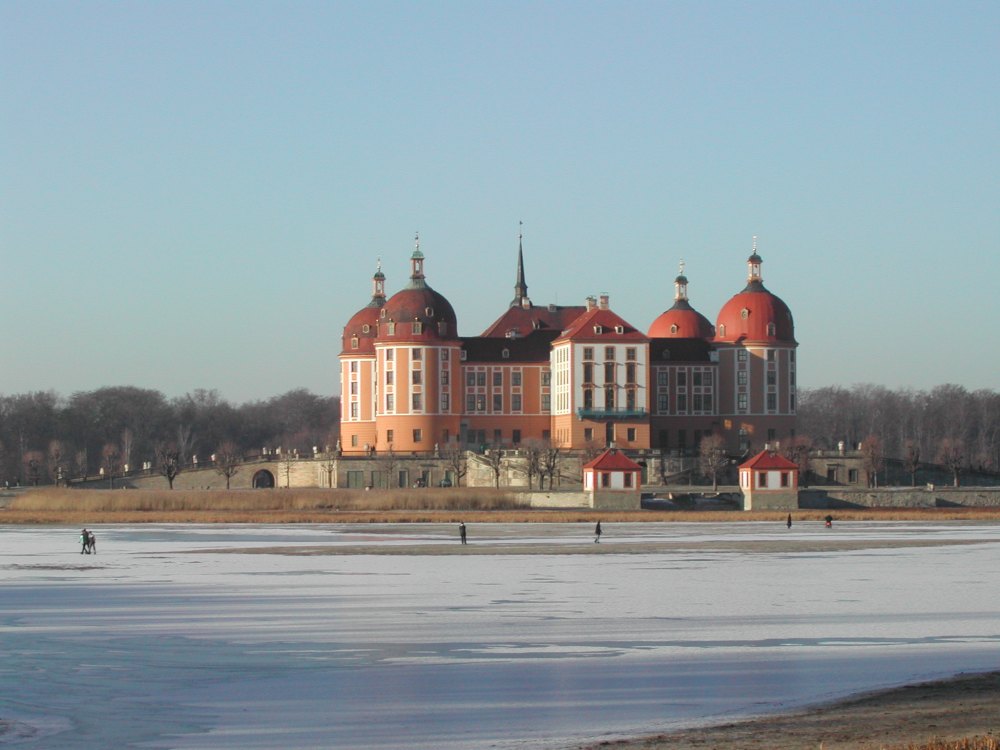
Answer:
(576, 377)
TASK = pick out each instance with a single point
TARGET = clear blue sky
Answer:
(194, 194)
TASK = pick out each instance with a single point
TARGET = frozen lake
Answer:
(233, 637)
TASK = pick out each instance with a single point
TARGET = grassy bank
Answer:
(62, 506)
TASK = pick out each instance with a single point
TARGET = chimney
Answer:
(591, 303)
(603, 302)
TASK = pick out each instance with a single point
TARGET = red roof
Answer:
(525, 320)
(768, 460)
(601, 325)
(613, 460)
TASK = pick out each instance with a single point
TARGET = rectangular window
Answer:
(416, 377)
(354, 366)
(630, 398)
(354, 441)
(445, 355)
(609, 352)
(415, 354)
(418, 327)
(481, 379)
(388, 355)
(628, 478)
(497, 437)
(497, 377)
(389, 435)
(663, 378)
(630, 434)
(609, 397)
(762, 479)
(444, 377)
(682, 378)
(354, 387)
(515, 378)
(480, 403)
(470, 402)
(605, 479)
(588, 373)
(470, 379)
(741, 377)
(682, 402)
(588, 398)
(546, 402)
(707, 402)
(630, 372)
(772, 377)
(445, 403)
(630, 354)
(588, 353)
(663, 403)
(696, 377)
(497, 402)
(354, 410)
(785, 482)
(515, 402)
(516, 437)
(741, 401)
(418, 401)
(708, 378)
(697, 402)
(772, 401)
(609, 372)
(741, 355)
(588, 434)
(418, 435)
(389, 377)
(852, 476)
(770, 355)
(546, 378)
(390, 402)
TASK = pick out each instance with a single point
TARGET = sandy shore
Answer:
(954, 709)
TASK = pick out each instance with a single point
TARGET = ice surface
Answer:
(162, 640)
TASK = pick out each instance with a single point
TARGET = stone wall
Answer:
(899, 497)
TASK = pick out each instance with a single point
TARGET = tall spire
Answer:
(520, 285)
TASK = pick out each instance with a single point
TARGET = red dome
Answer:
(363, 327)
(681, 322)
(755, 315)
(422, 305)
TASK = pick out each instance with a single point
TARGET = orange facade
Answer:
(576, 377)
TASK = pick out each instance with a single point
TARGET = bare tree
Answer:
(494, 459)
(33, 462)
(872, 458)
(798, 449)
(387, 462)
(127, 446)
(952, 457)
(712, 458)
(457, 462)
(911, 460)
(111, 462)
(550, 461)
(328, 463)
(227, 460)
(168, 462)
(532, 450)
(56, 460)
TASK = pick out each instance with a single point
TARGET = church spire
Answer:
(520, 285)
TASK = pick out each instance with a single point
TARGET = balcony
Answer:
(625, 413)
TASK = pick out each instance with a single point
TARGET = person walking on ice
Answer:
(461, 530)
(597, 533)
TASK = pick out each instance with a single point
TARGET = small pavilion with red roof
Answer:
(613, 480)
(769, 481)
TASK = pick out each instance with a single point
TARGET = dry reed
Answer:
(56, 506)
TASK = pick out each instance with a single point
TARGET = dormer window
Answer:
(354, 342)
(505, 354)
(744, 313)
(390, 328)
(366, 328)
(771, 330)
(442, 328)
(418, 327)
(461, 355)
(619, 329)
(598, 329)
(722, 330)
(429, 312)
(673, 328)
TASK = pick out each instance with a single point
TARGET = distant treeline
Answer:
(44, 436)
(946, 419)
